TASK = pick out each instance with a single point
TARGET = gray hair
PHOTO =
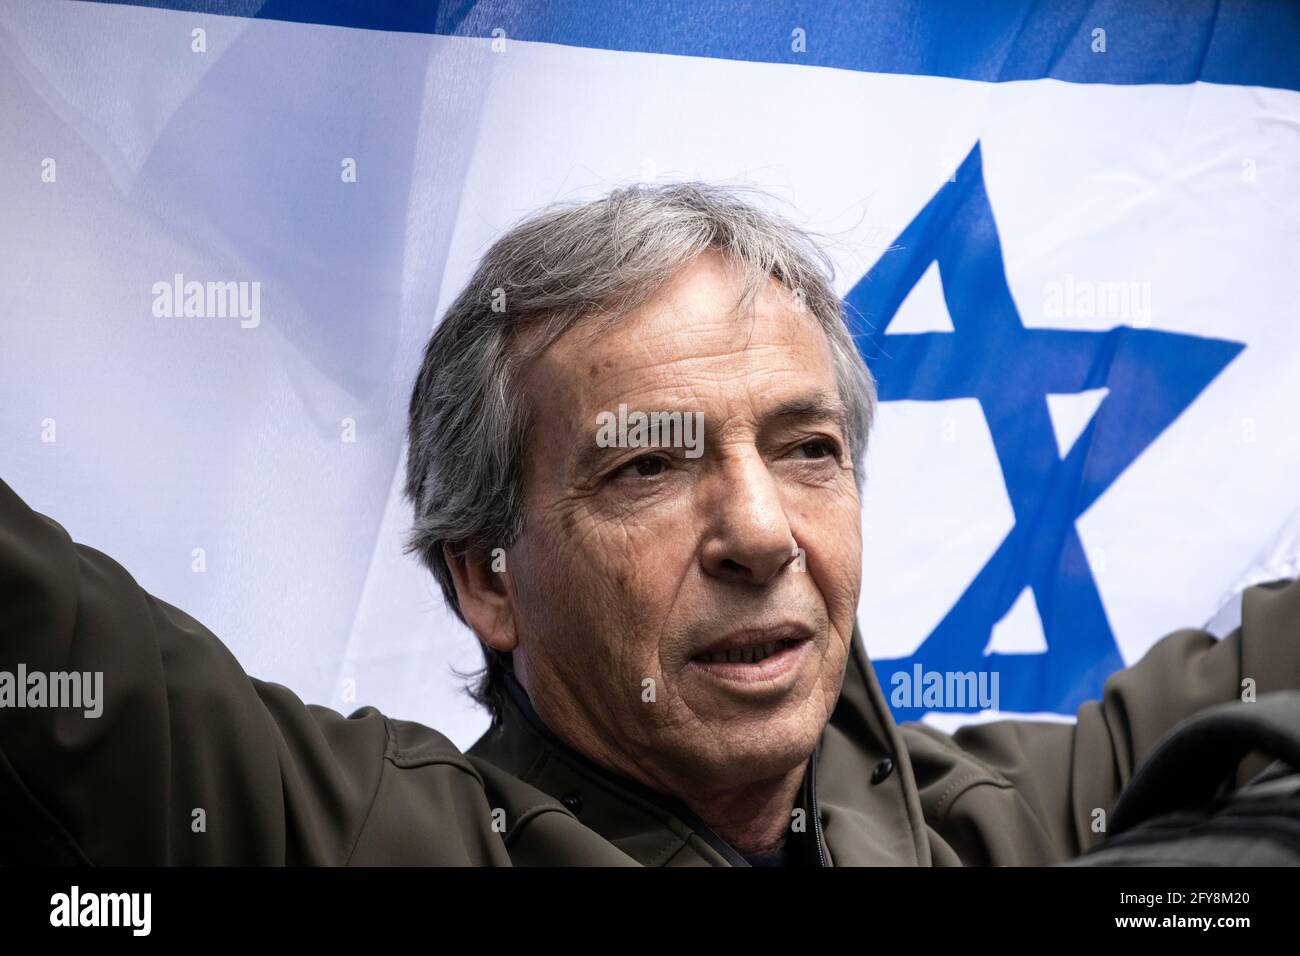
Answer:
(569, 263)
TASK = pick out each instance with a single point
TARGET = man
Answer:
(636, 455)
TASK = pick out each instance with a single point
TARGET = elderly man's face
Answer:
(639, 567)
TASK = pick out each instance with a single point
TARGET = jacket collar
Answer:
(857, 821)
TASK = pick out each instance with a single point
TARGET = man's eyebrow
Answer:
(590, 456)
(812, 408)
(808, 408)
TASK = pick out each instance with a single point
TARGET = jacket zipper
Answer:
(816, 813)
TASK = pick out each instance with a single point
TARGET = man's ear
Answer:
(480, 579)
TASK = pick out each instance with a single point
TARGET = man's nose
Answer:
(749, 538)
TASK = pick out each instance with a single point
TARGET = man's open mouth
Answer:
(756, 662)
(762, 659)
(749, 654)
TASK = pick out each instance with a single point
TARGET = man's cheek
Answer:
(833, 548)
(625, 556)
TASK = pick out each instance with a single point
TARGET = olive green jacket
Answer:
(194, 762)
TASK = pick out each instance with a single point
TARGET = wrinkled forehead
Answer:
(694, 340)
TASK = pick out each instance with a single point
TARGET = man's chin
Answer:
(737, 751)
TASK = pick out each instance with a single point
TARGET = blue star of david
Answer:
(1152, 376)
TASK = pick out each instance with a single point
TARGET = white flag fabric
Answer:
(1067, 239)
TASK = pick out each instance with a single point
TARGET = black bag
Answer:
(1180, 809)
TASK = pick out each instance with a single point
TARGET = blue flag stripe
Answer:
(1240, 42)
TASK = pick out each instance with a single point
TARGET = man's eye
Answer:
(647, 466)
(819, 448)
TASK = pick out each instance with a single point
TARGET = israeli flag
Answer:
(1067, 235)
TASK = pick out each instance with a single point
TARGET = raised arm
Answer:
(1029, 792)
(172, 754)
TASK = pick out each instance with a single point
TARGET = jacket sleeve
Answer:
(1031, 792)
(183, 758)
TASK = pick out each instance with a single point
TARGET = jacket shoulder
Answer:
(943, 768)
(436, 806)
(410, 744)
(429, 808)
(980, 787)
